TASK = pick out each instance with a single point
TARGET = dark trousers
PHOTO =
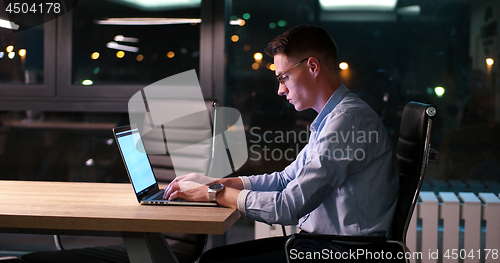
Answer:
(302, 250)
(260, 250)
(267, 250)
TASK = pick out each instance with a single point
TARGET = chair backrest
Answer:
(412, 151)
(190, 160)
(187, 247)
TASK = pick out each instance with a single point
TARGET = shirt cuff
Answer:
(241, 202)
(247, 185)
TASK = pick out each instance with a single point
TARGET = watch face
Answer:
(216, 186)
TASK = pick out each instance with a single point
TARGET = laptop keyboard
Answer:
(160, 197)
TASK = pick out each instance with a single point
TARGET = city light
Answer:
(115, 45)
(343, 65)
(121, 38)
(161, 5)
(272, 67)
(11, 55)
(1, 54)
(170, 54)
(257, 56)
(439, 91)
(246, 16)
(246, 47)
(411, 10)
(282, 23)
(9, 25)
(144, 21)
(490, 61)
(120, 54)
(237, 22)
(22, 52)
(95, 55)
(358, 5)
(87, 82)
(235, 38)
(272, 25)
(139, 57)
(9, 49)
(89, 162)
(255, 66)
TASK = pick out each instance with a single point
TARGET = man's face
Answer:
(296, 83)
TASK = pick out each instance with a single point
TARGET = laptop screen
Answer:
(135, 159)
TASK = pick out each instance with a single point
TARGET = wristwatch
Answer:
(213, 189)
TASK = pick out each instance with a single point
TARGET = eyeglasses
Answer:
(280, 80)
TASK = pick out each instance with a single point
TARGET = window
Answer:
(443, 53)
(22, 56)
(129, 42)
(27, 54)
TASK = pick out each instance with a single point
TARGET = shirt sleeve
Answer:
(328, 162)
(277, 181)
(247, 185)
(242, 197)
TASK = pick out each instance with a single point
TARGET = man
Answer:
(344, 181)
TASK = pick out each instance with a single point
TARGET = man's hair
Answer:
(305, 39)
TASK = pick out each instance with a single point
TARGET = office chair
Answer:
(413, 152)
(186, 247)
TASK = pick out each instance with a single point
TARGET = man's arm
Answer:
(228, 197)
(232, 182)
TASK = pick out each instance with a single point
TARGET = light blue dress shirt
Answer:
(345, 181)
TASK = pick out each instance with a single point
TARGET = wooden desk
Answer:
(105, 209)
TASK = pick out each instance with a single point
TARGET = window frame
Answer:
(48, 88)
(59, 94)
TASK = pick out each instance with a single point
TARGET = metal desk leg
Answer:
(148, 248)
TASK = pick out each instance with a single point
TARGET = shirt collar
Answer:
(332, 102)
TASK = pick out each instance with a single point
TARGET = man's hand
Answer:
(194, 177)
(186, 186)
(187, 190)
(194, 187)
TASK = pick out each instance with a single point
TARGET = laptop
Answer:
(139, 169)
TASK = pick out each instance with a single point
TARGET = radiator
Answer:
(445, 227)
(448, 227)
